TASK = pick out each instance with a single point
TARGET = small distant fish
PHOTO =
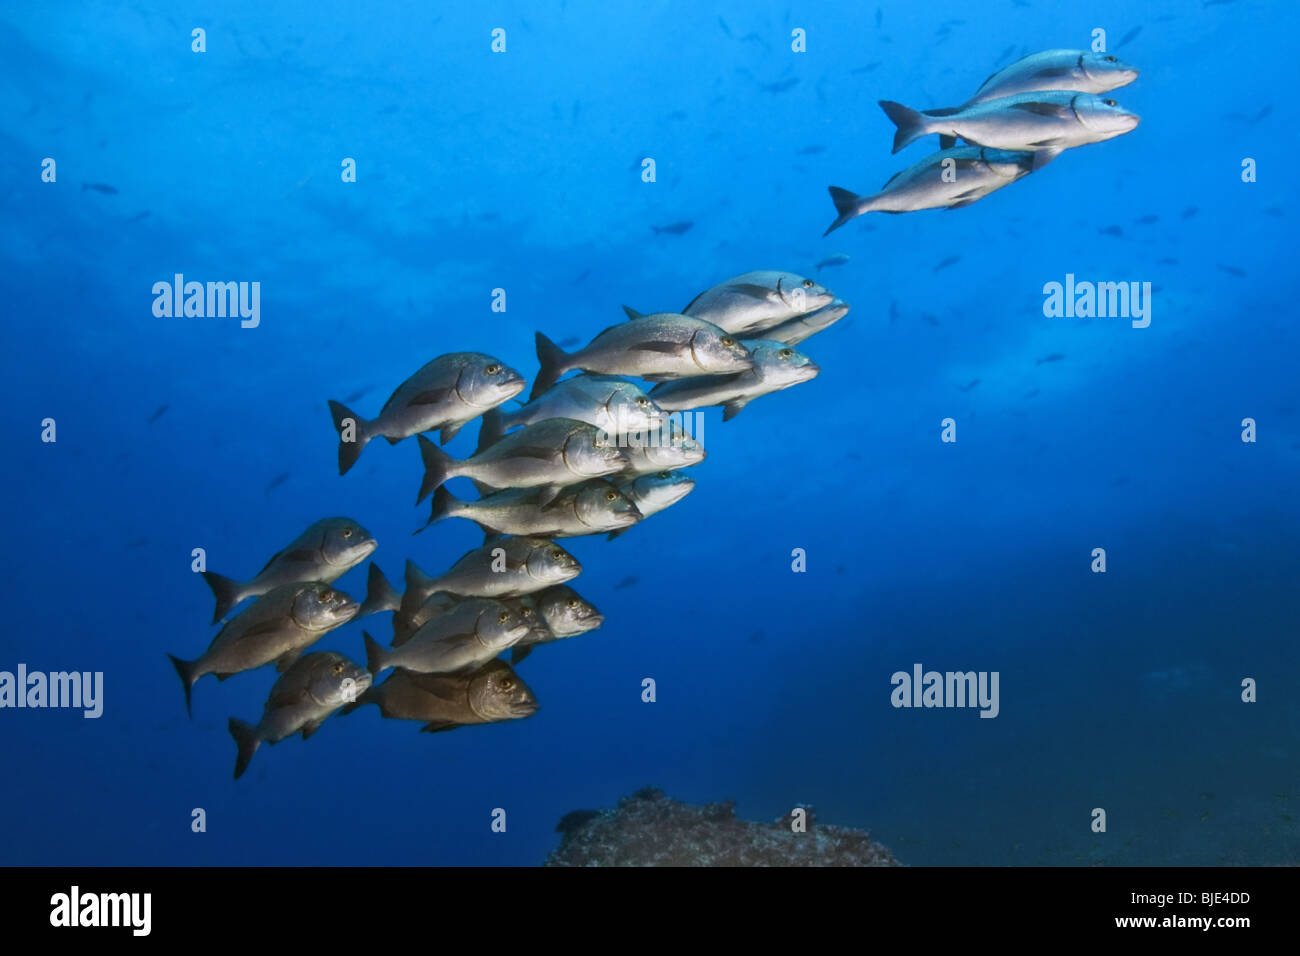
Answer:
(1054, 357)
(359, 394)
(1032, 393)
(838, 259)
(780, 86)
(968, 386)
(585, 273)
(867, 68)
(627, 582)
(1006, 53)
(674, 228)
(811, 150)
(1189, 212)
(162, 410)
(1128, 37)
(926, 316)
(138, 543)
(138, 216)
(1166, 262)
(880, 16)
(564, 343)
(278, 480)
(1112, 231)
(893, 311)
(1147, 220)
(951, 260)
(1213, 3)
(1233, 270)
(756, 637)
(723, 24)
(99, 188)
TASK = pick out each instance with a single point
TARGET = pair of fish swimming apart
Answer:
(1021, 118)
(588, 454)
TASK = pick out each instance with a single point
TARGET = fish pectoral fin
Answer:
(449, 432)
(311, 727)
(667, 348)
(258, 630)
(287, 660)
(731, 409)
(298, 554)
(432, 397)
(658, 378)
(548, 493)
(540, 452)
(282, 699)
(752, 290)
(945, 142)
(1044, 109)
(433, 726)
(960, 202)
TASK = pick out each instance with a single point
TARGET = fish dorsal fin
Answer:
(633, 313)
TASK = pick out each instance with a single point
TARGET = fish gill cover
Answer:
(1000, 566)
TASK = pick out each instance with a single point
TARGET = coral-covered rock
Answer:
(650, 829)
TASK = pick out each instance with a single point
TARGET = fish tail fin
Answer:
(554, 362)
(847, 204)
(911, 124)
(517, 653)
(225, 591)
(491, 430)
(349, 449)
(437, 465)
(186, 670)
(380, 595)
(247, 740)
(376, 656)
(947, 142)
(415, 578)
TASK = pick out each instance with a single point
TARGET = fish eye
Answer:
(504, 617)
(728, 341)
(599, 443)
(525, 612)
(643, 401)
(347, 532)
(1111, 59)
(493, 369)
(611, 495)
(664, 474)
(807, 283)
(785, 353)
(557, 553)
(1110, 102)
(338, 667)
(571, 604)
(507, 684)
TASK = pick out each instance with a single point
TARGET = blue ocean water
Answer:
(521, 171)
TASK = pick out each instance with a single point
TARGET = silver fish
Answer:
(793, 331)
(776, 366)
(565, 614)
(653, 492)
(469, 633)
(654, 347)
(301, 700)
(1077, 70)
(1047, 122)
(501, 567)
(665, 449)
(324, 552)
(278, 626)
(591, 507)
(493, 692)
(748, 304)
(612, 404)
(950, 179)
(548, 454)
(445, 394)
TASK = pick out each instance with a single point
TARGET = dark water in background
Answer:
(520, 171)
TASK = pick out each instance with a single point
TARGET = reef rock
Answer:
(650, 829)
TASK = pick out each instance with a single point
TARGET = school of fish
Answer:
(590, 454)
(1019, 120)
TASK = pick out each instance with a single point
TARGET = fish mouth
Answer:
(524, 709)
(348, 610)
(367, 548)
(592, 621)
